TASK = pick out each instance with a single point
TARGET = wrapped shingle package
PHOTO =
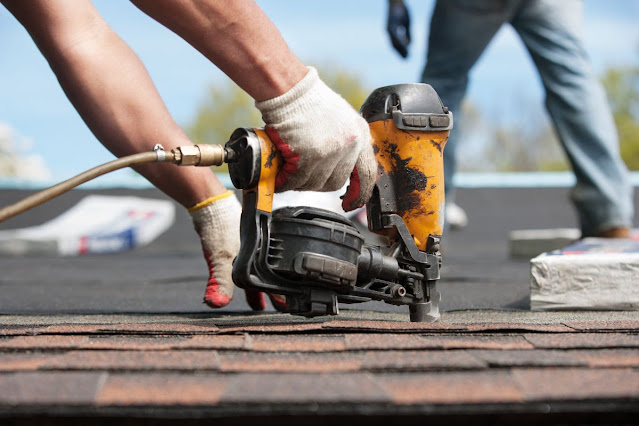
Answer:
(591, 274)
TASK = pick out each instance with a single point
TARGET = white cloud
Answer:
(16, 160)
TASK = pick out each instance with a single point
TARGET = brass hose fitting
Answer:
(199, 155)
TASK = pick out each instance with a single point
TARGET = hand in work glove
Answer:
(322, 140)
(217, 222)
(398, 26)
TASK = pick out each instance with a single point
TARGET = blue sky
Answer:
(348, 33)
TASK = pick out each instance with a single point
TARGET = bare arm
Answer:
(240, 39)
(111, 89)
(236, 36)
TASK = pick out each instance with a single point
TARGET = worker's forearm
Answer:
(238, 37)
(111, 89)
(100, 74)
(116, 98)
(114, 94)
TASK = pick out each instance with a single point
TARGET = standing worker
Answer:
(323, 140)
(551, 30)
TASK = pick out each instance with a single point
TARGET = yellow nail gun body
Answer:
(319, 259)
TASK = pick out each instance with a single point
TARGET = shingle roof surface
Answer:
(80, 344)
(176, 361)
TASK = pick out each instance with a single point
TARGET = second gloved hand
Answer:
(323, 141)
(398, 26)
(217, 222)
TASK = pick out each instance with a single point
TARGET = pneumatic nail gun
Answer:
(319, 259)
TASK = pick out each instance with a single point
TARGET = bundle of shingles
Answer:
(590, 274)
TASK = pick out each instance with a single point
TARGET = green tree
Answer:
(622, 87)
(224, 109)
(523, 141)
(346, 83)
(227, 107)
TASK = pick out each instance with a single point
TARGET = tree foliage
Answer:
(517, 145)
(622, 86)
(227, 107)
(523, 141)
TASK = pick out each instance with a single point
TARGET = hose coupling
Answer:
(159, 151)
(199, 155)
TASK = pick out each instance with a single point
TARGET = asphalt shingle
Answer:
(584, 340)
(454, 341)
(50, 388)
(298, 388)
(577, 383)
(452, 388)
(132, 351)
(161, 389)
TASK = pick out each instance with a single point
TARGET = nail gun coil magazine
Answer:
(314, 244)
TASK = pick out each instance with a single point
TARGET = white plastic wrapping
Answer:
(592, 274)
(97, 224)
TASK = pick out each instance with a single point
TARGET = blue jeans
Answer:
(551, 31)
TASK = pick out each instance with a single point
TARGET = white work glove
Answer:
(217, 222)
(323, 141)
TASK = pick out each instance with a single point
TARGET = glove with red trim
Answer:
(217, 222)
(323, 141)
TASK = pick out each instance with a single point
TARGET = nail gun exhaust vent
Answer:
(314, 243)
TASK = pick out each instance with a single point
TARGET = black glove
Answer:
(399, 27)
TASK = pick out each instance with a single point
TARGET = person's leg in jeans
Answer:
(459, 32)
(552, 33)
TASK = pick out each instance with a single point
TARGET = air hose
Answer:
(188, 155)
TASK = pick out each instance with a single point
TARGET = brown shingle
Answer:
(21, 362)
(134, 360)
(387, 361)
(213, 342)
(577, 383)
(522, 327)
(391, 326)
(410, 341)
(135, 342)
(297, 343)
(161, 389)
(15, 330)
(607, 357)
(243, 362)
(159, 328)
(452, 388)
(619, 325)
(527, 358)
(137, 328)
(119, 342)
(304, 388)
(442, 327)
(29, 388)
(271, 328)
(584, 340)
(43, 342)
(388, 341)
